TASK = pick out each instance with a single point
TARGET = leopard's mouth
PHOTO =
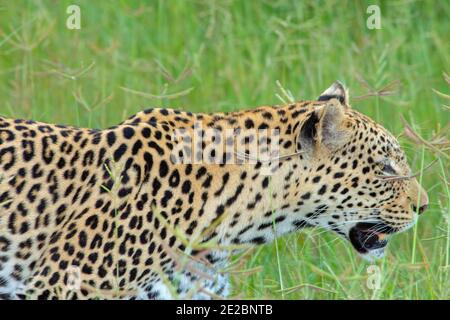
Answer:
(370, 239)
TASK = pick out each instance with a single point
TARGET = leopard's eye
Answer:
(387, 168)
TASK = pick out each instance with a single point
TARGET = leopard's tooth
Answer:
(381, 236)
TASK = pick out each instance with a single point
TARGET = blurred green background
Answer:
(228, 55)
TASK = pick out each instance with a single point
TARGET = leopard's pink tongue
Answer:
(381, 236)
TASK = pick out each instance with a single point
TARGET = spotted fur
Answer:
(110, 209)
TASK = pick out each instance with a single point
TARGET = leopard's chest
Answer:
(190, 280)
(12, 283)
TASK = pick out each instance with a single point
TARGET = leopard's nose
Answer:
(421, 208)
(419, 199)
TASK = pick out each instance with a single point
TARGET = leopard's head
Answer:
(352, 163)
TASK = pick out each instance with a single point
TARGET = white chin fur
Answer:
(373, 255)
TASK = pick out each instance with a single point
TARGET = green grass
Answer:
(227, 55)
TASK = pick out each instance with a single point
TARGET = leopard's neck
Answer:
(241, 199)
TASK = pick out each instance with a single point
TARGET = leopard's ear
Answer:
(324, 129)
(336, 91)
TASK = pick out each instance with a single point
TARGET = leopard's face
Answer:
(361, 175)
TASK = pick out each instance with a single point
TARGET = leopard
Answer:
(157, 206)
